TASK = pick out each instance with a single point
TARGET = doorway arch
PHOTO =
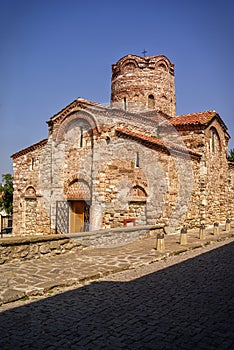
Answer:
(78, 197)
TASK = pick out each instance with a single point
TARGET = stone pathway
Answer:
(38, 276)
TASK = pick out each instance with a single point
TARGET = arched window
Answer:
(30, 192)
(214, 140)
(107, 140)
(138, 191)
(151, 102)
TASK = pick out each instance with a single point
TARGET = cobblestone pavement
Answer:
(184, 301)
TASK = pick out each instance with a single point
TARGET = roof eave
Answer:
(166, 147)
(30, 148)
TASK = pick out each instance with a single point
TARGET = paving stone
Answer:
(11, 295)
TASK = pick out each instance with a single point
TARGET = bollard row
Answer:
(160, 240)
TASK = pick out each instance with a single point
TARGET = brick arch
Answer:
(127, 62)
(78, 187)
(88, 117)
(138, 191)
(30, 192)
(162, 63)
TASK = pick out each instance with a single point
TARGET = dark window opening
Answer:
(125, 103)
(151, 102)
(212, 141)
(137, 164)
(81, 137)
(32, 164)
(107, 140)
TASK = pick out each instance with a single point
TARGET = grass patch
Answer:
(50, 292)
(178, 252)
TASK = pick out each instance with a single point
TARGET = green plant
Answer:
(157, 136)
(230, 156)
(6, 193)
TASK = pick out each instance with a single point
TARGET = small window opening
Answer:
(212, 141)
(107, 140)
(137, 163)
(151, 102)
(32, 164)
(125, 103)
(81, 137)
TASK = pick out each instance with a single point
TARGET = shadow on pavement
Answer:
(185, 306)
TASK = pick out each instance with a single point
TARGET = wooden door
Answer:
(77, 216)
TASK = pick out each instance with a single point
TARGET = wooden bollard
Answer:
(160, 246)
(216, 228)
(202, 231)
(228, 225)
(183, 236)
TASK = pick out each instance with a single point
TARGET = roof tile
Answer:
(193, 118)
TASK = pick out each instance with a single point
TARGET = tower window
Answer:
(32, 164)
(125, 103)
(107, 140)
(81, 137)
(137, 163)
(151, 102)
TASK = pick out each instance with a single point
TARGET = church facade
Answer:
(134, 162)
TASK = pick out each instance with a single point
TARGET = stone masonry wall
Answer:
(35, 247)
(29, 211)
(26, 248)
(162, 182)
(168, 182)
(164, 187)
(215, 197)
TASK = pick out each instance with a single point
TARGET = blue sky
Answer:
(53, 51)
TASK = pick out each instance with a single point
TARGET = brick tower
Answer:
(143, 84)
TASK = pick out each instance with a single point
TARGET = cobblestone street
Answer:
(182, 302)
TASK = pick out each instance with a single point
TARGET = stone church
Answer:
(134, 162)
